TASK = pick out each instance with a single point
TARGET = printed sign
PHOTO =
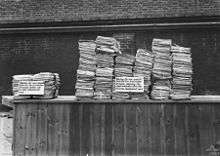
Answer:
(31, 88)
(129, 84)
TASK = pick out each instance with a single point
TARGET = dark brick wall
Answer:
(18, 11)
(20, 54)
(32, 53)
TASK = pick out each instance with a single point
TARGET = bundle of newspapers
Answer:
(123, 68)
(161, 90)
(182, 72)
(27, 86)
(143, 67)
(161, 68)
(106, 49)
(86, 70)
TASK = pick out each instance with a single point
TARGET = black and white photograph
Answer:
(109, 78)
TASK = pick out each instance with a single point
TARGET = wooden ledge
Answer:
(206, 99)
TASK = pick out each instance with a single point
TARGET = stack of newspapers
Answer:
(143, 67)
(106, 50)
(182, 72)
(123, 68)
(86, 70)
(161, 69)
(51, 82)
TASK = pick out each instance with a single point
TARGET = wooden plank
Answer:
(162, 129)
(118, 130)
(85, 129)
(20, 125)
(108, 130)
(42, 130)
(97, 116)
(179, 130)
(205, 128)
(216, 124)
(31, 130)
(155, 129)
(74, 130)
(169, 129)
(103, 130)
(206, 99)
(193, 130)
(64, 130)
(130, 128)
(143, 130)
(52, 129)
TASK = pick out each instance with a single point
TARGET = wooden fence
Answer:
(115, 128)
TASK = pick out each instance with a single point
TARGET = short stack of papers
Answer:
(182, 72)
(51, 83)
(162, 68)
(15, 84)
(86, 70)
(143, 67)
(106, 49)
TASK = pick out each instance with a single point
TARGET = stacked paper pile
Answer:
(51, 84)
(126, 40)
(86, 71)
(123, 67)
(161, 68)
(15, 84)
(161, 90)
(106, 49)
(143, 67)
(182, 73)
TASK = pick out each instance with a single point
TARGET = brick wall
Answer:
(18, 11)
(32, 53)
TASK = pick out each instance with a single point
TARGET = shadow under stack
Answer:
(86, 70)
(106, 49)
(182, 73)
(143, 67)
(161, 69)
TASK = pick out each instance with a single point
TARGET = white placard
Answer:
(129, 84)
(31, 88)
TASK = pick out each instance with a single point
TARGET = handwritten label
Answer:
(31, 88)
(129, 84)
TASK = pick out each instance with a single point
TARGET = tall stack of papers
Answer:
(182, 72)
(51, 82)
(161, 68)
(86, 70)
(123, 68)
(106, 49)
(143, 67)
